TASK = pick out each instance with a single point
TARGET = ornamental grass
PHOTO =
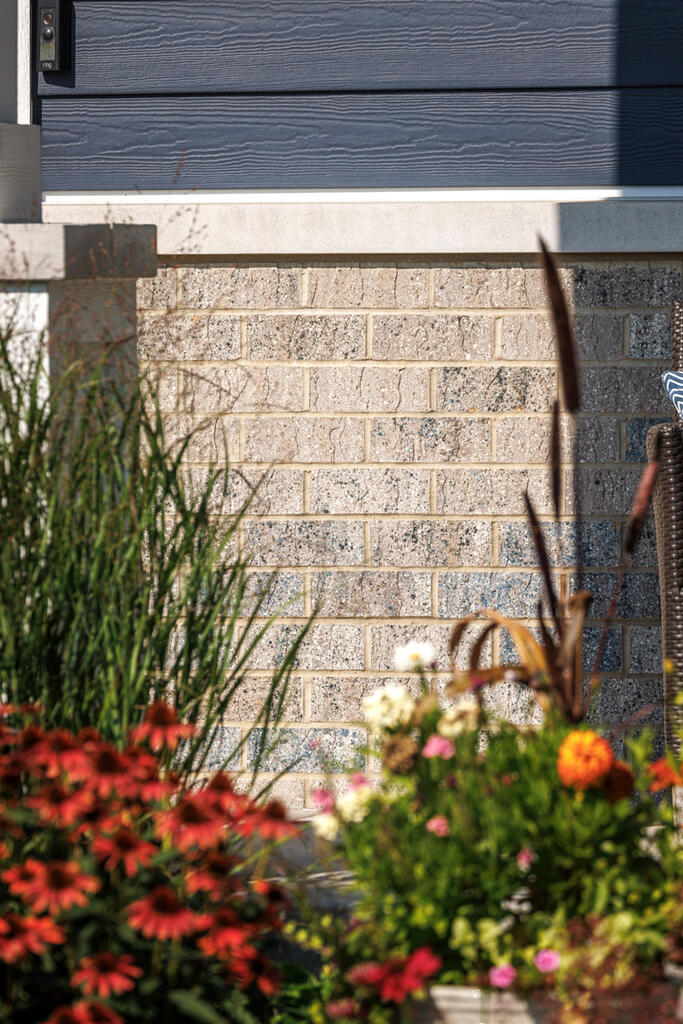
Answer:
(124, 895)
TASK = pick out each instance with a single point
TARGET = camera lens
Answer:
(48, 18)
(48, 34)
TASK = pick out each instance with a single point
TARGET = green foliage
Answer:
(118, 583)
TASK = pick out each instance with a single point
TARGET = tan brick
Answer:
(158, 292)
(430, 542)
(339, 698)
(491, 491)
(191, 337)
(303, 439)
(162, 382)
(369, 389)
(250, 694)
(243, 389)
(288, 789)
(298, 336)
(385, 639)
(334, 647)
(207, 440)
(496, 388)
(304, 542)
(278, 492)
(528, 439)
(353, 285)
(371, 593)
(430, 439)
(367, 491)
(270, 593)
(432, 337)
(269, 286)
(527, 337)
(492, 287)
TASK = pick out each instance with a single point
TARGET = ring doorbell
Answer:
(52, 35)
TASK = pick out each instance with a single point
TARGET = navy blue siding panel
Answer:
(216, 46)
(592, 138)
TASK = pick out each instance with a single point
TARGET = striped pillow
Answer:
(673, 384)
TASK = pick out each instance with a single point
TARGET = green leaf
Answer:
(194, 1007)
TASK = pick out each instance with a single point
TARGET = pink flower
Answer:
(503, 976)
(438, 746)
(358, 780)
(323, 800)
(342, 1008)
(547, 960)
(525, 858)
(438, 825)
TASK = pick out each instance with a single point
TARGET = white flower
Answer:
(388, 707)
(326, 826)
(414, 657)
(353, 805)
(461, 717)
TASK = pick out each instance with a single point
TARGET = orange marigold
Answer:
(584, 759)
(663, 775)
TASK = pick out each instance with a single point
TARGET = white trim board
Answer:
(398, 223)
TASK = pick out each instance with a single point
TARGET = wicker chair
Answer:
(668, 509)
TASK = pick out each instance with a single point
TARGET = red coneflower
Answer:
(106, 974)
(151, 787)
(58, 805)
(229, 937)
(109, 773)
(213, 876)
(21, 877)
(160, 727)
(60, 752)
(193, 821)
(58, 886)
(69, 1015)
(22, 935)
(161, 915)
(125, 847)
(270, 822)
(98, 1013)
(98, 817)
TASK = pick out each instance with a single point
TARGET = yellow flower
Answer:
(669, 667)
(584, 759)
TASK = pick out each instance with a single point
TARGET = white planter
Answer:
(453, 1004)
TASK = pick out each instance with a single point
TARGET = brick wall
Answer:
(407, 407)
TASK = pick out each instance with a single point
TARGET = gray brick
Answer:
(385, 639)
(610, 662)
(250, 695)
(310, 750)
(600, 336)
(600, 544)
(304, 542)
(305, 337)
(190, 337)
(496, 388)
(491, 491)
(624, 389)
(649, 336)
(222, 750)
(369, 389)
(639, 597)
(162, 382)
(619, 700)
(514, 594)
(636, 436)
(430, 439)
(645, 555)
(243, 389)
(206, 440)
(646, 649)
(492, 287)
(527, 337)
(368, 491)
(278, 492)
(601, 491)
(334, 647)
(288, 789)
(528, 439)
(157, 292)
(371, 593)
(339, 698)
(354, 285)
(432, 337)
(303, 439)
(616, 285)
(280, 592)
(430, 542)
(241, 287)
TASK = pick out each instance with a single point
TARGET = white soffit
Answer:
(440, 221)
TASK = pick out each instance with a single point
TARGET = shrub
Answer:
(124, 895)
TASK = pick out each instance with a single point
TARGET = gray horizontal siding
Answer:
(216, 46)
(586, 137)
